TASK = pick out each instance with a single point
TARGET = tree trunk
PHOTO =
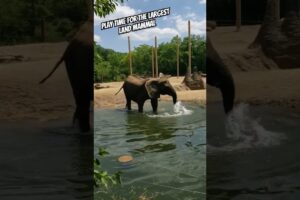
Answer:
(238, 14)
(43, 30)
(32, 20)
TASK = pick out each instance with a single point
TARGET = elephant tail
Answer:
(53, 70)
(120, 89)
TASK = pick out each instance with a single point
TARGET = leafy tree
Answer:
(142, 60)
(39, 20)
(114, 65)
(198, 53)
(105, 7)
(167, 57)
(102, 68)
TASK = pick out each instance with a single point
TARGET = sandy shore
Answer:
(276, 88)
(106, 98)
(21, 97)
(257, 79)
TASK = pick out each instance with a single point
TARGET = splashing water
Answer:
(245, 132)
(178, 110)
(181, 110)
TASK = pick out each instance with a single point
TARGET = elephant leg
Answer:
(82, 113)
(154, 104)
(128, 103)
(83, 116)
(141, 106)
(75, 116)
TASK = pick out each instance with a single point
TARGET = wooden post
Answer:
(277, 9)
(153, 74)
(238, 14)
(43, 31)
(177, 55)
(156, 59)
(129, 56)
(190, 49)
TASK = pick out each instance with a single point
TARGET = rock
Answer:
(194, 81)
(98, 86)
(11, 58)
(211, 25)
(280, 39)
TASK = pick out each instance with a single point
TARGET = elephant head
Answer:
(220, 77)
(155, 87)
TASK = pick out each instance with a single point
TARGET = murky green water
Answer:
(45, 160)
(169, 152)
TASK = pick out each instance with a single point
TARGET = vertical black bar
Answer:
(46, 129)
(253, 101)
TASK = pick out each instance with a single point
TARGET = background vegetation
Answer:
(110, 65)
(101, 177)
(40, 20)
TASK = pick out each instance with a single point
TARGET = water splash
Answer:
(245, 131)
(178, 110)
(181, 109)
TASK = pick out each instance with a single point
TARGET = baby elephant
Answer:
(139, 90)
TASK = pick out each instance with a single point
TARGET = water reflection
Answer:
(138, 126)
(44, 165)
(169, 152)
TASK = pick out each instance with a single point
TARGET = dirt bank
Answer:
(106, 98)
(21, 96)
(257, 79)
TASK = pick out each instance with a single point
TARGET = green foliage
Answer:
(105, 7)
(103, 67)
(109, 65)
(167, 57)
(142, 59)
(198, 53)
(113, 66)
(25, 21)
(101, 177)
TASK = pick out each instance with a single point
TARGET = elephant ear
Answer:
(152, 88)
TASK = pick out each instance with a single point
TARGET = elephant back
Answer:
(136, 80)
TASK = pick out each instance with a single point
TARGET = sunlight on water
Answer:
(178, 110)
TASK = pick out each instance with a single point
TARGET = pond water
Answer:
(253, 153)
(169, 151)
(45, 160)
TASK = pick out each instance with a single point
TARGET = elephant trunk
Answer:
(174, 95)
(228, 93)
(219, 76)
